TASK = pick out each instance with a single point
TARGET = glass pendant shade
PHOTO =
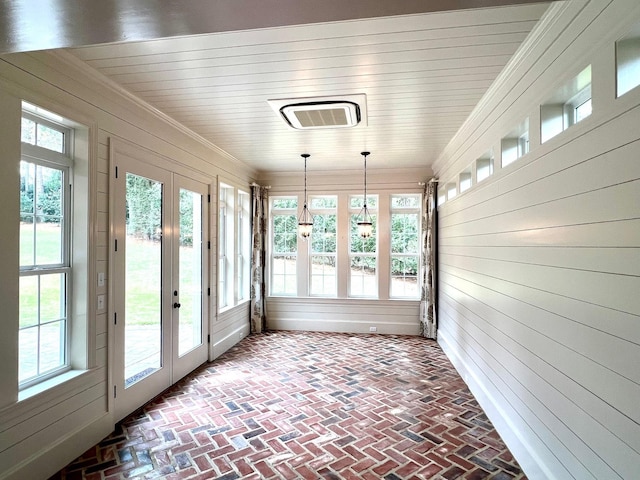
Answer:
(305, 229)
(365, 229)
(305, 220)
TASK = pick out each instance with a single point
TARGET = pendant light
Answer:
(365, 225)
(305, 220)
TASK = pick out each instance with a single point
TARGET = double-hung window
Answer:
(405, 246)
(284, 245)
(322, 257)
(243, 264)
(45, 250)
(234, 246)
(363, 256)
(225, 246)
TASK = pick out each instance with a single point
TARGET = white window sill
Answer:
(41, 387)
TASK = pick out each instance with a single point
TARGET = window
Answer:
(405, 245)
(452, 190)
(363, 258)
(628, 61)
(45, 250)
(284, 245)
(569, 105)
(234, 246)
(465, 180)
(335, 261)
(442, 195)
(244, 245)
(583, 110)
(515, 144)
(225, 247)
(484, 166)
(322, 257)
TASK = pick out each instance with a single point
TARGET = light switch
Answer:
(100, 302)
(101, 279)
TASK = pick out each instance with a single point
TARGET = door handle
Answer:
(176, 305)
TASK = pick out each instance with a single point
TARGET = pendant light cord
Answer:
(364, 154)
(305, 181)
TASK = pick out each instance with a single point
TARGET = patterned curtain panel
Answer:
(260, 199)
(428, 298)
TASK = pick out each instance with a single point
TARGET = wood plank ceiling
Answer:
(422, 74)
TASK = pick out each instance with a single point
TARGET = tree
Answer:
(144, 204)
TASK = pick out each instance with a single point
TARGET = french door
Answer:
(159, 292)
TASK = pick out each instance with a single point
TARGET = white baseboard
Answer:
(523, 452)
(343, 326)
(47, 462)
(222, 344)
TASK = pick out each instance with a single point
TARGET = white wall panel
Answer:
(540, 264)
(35, 435)
(230, 327)
(343, 315)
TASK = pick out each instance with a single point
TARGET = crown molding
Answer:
(73, 62)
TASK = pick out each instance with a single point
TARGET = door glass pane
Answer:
(143, 278)
(190, 267)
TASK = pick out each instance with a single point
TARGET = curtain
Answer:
(260, 201)
(428, 298)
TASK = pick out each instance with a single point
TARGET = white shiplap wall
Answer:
(41, 434)
(540, 264)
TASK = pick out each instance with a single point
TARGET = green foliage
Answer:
(359, 244)
(281, 203)
(404, 240)
(285, 234)
(186, 217)
(46, 202)
(144, 207)
(323, 237)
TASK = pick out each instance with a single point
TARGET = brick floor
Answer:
(308, 405)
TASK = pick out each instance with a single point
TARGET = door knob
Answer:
(176, 305)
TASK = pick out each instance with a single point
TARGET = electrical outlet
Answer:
(100, 302)
(373, 329)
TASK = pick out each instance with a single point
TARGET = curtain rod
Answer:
(254, 184)
(433, 180)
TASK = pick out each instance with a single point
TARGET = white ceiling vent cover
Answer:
(322, 112)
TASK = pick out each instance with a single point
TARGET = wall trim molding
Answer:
(73, 62)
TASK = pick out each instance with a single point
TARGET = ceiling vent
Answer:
(322, 112)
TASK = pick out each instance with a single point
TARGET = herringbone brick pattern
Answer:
(302, 405)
